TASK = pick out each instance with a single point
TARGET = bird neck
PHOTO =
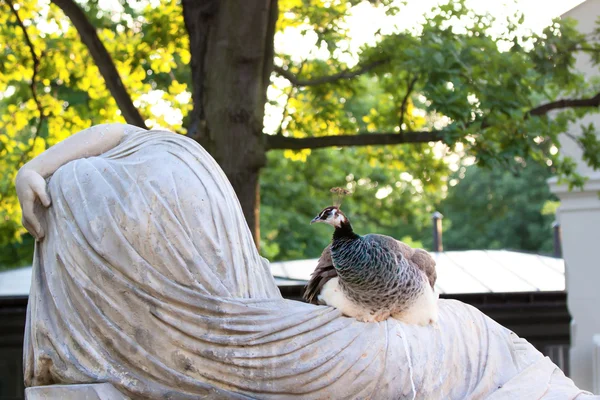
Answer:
(344, 231)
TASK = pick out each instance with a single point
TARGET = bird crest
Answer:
(338, 195)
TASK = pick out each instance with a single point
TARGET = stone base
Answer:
(92, 391)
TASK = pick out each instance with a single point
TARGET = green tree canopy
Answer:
(452, 85)
(500, 209)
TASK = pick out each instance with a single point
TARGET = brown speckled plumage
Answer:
(322, 273)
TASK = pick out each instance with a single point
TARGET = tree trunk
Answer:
(231, 43)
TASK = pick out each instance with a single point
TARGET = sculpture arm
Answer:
(89, 142)
(30, 181)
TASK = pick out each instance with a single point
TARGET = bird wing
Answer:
(322, 273)
(419, 257)
(425, 263)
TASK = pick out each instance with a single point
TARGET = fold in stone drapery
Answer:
(149, 279)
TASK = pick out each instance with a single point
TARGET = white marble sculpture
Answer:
(146, 277)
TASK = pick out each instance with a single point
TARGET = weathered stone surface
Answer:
(97, 391)
(148, 278)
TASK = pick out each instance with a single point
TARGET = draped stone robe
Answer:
(148, 278)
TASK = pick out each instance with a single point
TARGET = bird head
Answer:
(331, 215)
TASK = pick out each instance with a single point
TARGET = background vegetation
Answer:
(449, 115)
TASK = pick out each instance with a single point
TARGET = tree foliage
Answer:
(451, 85)
(386, 199)
(490, 93)
(52, 89)
(394, 187)
(499, 209)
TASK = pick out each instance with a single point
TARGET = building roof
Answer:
(16, 282)
(471, 271)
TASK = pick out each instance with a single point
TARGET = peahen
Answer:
(373, 277)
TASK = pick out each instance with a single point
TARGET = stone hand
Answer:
(30, 182)
(31, 186)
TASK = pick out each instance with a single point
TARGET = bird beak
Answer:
(315, 219)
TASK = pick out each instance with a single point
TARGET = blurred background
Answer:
(451, 69)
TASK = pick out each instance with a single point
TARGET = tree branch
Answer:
(274, 142)
(374, 139)
(32, 85)
(347, 74)
(575, 140)
(103, 60)
(36, 60)
(285, 113)
(565, 103)
(410, 88)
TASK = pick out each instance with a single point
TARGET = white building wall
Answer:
(579, 215)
